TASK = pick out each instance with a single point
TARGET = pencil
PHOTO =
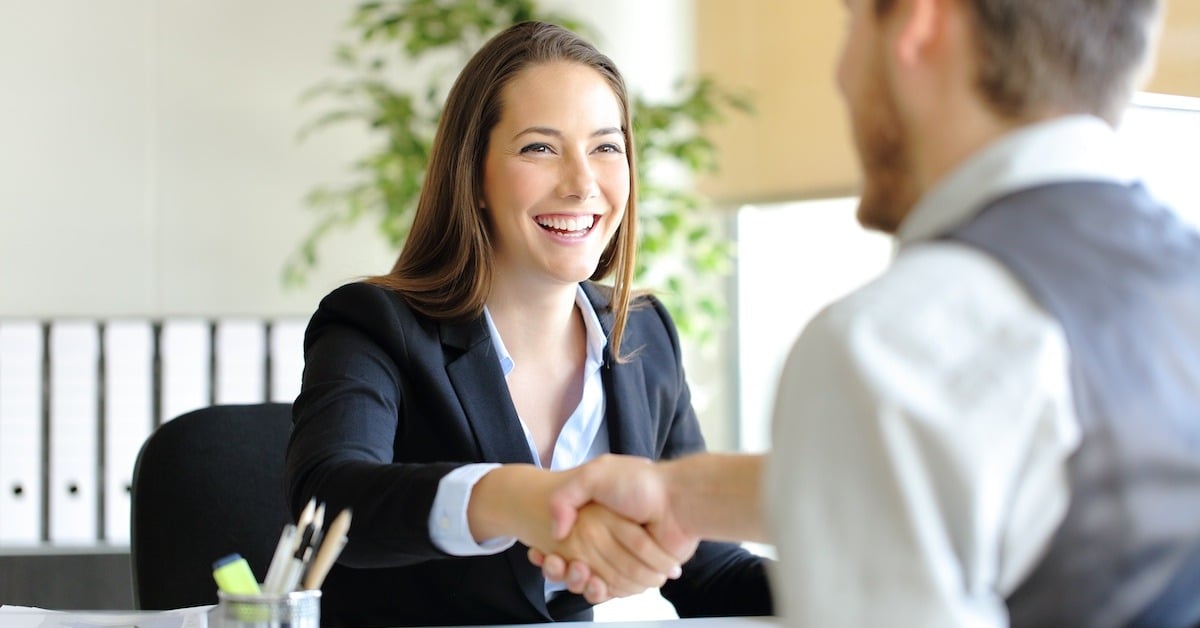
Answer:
(335, 540)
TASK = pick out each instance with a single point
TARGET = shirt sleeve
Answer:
(920, 443)
(448, 525)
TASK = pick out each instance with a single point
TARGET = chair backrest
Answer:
(206, 484)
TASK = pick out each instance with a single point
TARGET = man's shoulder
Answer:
(945, 322)
(932, 289)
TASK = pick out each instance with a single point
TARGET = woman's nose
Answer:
(577, 180)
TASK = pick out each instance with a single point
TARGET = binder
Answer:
(185, 366)
(21, 349)
(128, 407)
(240, 359)
(74, 431)
(287, 358)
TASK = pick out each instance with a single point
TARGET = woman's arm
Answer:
(342, 448)
(370, 366)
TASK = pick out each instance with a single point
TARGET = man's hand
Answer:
(631, 487)
(621, 555)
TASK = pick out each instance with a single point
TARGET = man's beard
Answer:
(889, 186)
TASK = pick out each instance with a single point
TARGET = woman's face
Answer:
(555, 176)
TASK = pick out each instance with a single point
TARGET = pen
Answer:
(335, 540)
(280, 559)
(295, 566)
(233, 575)
(318, 527)
(317, 537)
(306, 515)
(297, 541)
(303, 553)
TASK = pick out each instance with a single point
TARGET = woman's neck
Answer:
(535, 322)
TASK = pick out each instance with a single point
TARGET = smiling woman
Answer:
(438, 398)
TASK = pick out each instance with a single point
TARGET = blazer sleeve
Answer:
(345, 423)
(721, 579)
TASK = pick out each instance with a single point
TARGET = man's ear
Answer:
(921, 29)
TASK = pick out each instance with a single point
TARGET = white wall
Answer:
(149, 163)
(149, 156)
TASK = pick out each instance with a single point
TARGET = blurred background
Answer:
(153, 188)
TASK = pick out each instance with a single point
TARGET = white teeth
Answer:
(568, 224)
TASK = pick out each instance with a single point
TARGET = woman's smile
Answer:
(567, 225)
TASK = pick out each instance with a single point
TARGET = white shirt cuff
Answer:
(448, 525)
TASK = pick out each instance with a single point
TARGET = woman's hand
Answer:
(577, 576)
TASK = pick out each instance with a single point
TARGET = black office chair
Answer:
(206, 484)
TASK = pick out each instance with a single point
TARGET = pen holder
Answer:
(298, 609)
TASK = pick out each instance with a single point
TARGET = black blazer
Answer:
(392, 401)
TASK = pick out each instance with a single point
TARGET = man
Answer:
(1004, 428)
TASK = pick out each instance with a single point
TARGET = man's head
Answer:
(1079, 56)
(912, 69)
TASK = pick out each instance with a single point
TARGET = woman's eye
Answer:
(609, 148)
(536, 148)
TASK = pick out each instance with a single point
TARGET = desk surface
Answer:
(696, 622)
(26, 617)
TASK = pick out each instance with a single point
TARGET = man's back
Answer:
(1122, 276)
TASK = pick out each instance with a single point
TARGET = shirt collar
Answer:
(1069, 148)
(596, 340)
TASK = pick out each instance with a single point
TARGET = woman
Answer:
(437, 398)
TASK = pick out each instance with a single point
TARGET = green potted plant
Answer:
(683, 252)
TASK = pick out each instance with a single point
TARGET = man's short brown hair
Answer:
(1083, 56)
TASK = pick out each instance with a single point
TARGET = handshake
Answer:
(619, 525)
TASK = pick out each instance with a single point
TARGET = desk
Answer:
(27, 617)
(696, 622)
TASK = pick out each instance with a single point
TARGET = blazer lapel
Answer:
(627, 414)
(478, 382)
(630, 427)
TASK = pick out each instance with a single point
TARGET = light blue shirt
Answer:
(581, 439)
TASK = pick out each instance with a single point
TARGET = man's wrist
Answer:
(674, 476)
(716, 496)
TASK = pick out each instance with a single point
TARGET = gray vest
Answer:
(1122, 275)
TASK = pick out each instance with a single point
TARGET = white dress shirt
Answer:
(923, 423)
(580, 440)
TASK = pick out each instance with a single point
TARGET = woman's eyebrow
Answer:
(545, 130)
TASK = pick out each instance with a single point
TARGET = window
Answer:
(795, 258)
